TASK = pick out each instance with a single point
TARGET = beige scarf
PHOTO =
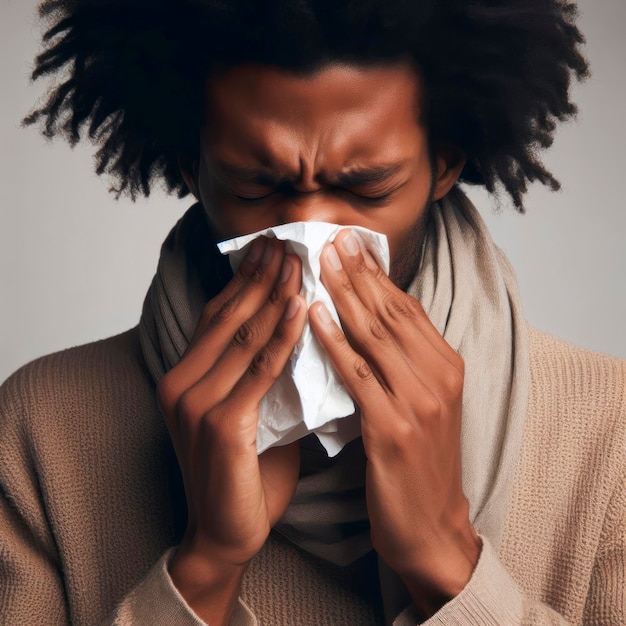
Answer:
(469, 291)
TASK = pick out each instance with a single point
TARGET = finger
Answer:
(247, 295)
(370, 337)
(264, 369)
(222, 317)
(246, 271)
(251, 336)
(391, 337)
(396, 309)
(362, 383)
(380, 424)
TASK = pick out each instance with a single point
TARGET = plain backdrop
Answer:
(75, 264)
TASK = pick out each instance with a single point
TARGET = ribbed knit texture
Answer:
(311, 587)
(90, 500)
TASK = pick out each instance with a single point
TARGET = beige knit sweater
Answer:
(90, 501)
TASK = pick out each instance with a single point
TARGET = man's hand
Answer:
(408, 384)
(210, 403)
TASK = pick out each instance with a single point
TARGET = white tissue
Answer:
(308, 396)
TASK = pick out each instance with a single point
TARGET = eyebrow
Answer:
(358, 176)
(354, 177)
(254, 175)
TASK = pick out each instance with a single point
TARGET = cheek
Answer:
(405, 255)
(405, 246)
(224, 221)
(207, 191)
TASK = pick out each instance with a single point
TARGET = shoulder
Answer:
(87, 469)
(98, 365)
(547, 350)
(75, 391)
(570, 474)
(577, 377)
(113, 352)
(577, 404)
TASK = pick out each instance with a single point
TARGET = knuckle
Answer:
(214, 424)
(395, 308)
(430, 407)
(261, 364)
(213, 419)
(167, 392)
(452, 383)
(377, 330)
(224, 426)
(256, 276)
(345, 284)
(208, 312)
(393, 435)
(216, 313)
(369, 334)
(245, 337)
(362, 370)
(378, 273)
(186, 405)
(401, 432)
(226, 310)
(414, 307)
(360, 267)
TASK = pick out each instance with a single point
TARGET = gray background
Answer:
(75, 264)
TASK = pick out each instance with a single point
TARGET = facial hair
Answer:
(406, 261)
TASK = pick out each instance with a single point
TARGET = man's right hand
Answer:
(210, 402)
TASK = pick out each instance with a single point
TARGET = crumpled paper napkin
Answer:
(308, 396)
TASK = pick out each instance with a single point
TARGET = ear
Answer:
(189, 172)
(448, 164)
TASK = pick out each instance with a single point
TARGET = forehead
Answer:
(259, 110)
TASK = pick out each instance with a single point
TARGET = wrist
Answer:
(209, 587)
(443, 575)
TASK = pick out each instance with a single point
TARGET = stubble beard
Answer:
(406, 262)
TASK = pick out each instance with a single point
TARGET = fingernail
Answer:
(256, 249)
(350, 244)
(333, 258)
(323, 314)
(286, 271)
(269, 253)
(292, 308)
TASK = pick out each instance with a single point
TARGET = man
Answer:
(487, 486)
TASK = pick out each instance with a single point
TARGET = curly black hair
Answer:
(497, 73)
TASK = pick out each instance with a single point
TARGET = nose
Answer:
(310, 207)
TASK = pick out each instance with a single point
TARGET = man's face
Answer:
(342, 145)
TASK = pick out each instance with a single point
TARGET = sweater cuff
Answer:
(156, 601)
(490, 598)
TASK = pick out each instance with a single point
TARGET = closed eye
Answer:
(284, 187)
(361, 197)
(372, 199)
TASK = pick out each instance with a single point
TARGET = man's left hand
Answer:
(408, 384)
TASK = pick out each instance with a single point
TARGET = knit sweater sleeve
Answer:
(606, 600)
(155, 600)
(31, 580)
(31, 586)
(491, 598)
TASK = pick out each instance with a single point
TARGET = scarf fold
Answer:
(468, 290)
